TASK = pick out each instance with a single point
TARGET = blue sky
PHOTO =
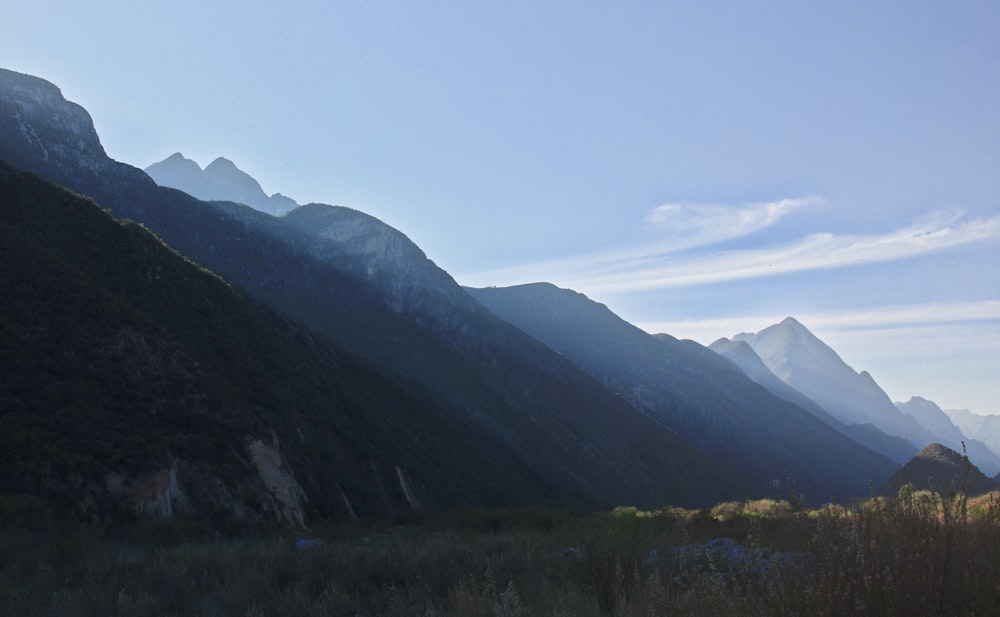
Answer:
(701, 168)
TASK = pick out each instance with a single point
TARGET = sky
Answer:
(702, 168)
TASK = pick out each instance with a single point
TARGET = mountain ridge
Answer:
(221, 180)
(812, 367)
(937, 422)
(694, 391)
(584, 442)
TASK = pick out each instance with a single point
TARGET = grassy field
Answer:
(921, 553)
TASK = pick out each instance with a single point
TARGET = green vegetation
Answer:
(920, 553)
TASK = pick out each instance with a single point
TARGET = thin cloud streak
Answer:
(881, 318)
(646, 271)
(818, 251)
(682, 226)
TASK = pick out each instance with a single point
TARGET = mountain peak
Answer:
(939, 452)
(222, 163)
(221, 180)
(806, 363)
(177, 157)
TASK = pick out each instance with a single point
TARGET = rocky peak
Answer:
(221, 180)
(51, 131)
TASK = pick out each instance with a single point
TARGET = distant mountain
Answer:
(937, 422)
(747, 360)
(356, 282)
(695, 392)
(984, 428)
(810, 366)
(221, 180)
(940, 468)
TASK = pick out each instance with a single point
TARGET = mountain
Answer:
(221, 180)
(984, 428)
(746, 359)
(365, 288)
(135, 381)
(695, 392)
(810, 366)
(937, 422)
(939, 468)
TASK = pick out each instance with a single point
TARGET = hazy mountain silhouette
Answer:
(695, 392)
(744, 357)
(984, 428)
(939, 468)
(810, 366)
(356, 282)
(221, 180)
(945, 432)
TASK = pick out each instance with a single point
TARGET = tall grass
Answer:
(920, 553)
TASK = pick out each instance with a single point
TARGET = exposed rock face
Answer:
(57, 138)
(286, 494)
(404, 485)
(156, 495)
(412, 284)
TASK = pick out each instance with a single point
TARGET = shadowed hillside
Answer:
(564, 437)
(937, 467)
(127, 368)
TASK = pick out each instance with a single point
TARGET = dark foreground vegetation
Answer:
(921, 553)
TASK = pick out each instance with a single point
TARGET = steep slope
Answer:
(221, 180)
(810, 366)
(747, 360)
(135, 381)
(937, 422)
(694, 391)
(939, 468)
(585, 443)
(984, 428)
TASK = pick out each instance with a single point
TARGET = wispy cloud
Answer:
(680, 226)
(935, 232)
(690, 225)
(651, 268)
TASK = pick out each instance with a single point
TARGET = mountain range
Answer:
(810, 366)
(221, 180)
(694, 391)
(371, 293)
(327, 368)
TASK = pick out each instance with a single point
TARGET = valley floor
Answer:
(918, 554)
